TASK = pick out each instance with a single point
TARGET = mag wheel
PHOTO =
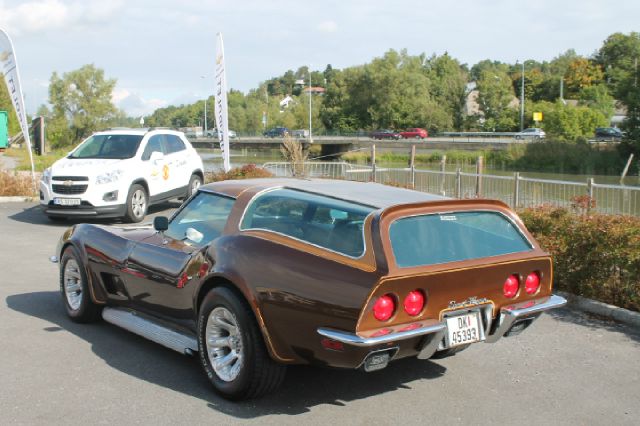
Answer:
(74, 288)
(231, 348)
(137, 203)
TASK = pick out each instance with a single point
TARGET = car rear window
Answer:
(449, 237)
(322, 221)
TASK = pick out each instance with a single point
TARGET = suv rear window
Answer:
(449, 237)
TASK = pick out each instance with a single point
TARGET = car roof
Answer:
(137, 131)
(367, 193)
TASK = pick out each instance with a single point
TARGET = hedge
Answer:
(595, 256)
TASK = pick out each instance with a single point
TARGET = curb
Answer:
(615, 313)
(17, 199)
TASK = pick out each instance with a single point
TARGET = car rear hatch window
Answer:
(448, 237)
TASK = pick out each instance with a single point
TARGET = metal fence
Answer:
(515, 190)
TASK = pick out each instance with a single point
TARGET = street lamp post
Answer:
(310, 94)
(205, 108)
(522, 100)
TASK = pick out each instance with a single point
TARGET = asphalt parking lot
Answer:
(568, 368)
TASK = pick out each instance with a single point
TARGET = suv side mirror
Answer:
(160, 223)
(156, 156)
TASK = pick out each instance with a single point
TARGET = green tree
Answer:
(617, 58)
(495, 98)
(581, 74)
(82, 99)
(566, 122)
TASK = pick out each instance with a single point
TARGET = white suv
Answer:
(119, 173)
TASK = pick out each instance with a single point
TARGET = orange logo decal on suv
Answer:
(165, 172)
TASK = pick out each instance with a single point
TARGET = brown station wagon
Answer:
(257, 274)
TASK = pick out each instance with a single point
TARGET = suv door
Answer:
(178, 162)
(155, 170)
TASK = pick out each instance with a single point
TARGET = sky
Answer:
(163, 52)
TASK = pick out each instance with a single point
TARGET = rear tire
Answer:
(137, 203)
(74, 288)
(231, 348)
(194, 183)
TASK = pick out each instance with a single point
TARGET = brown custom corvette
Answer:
(257, 274)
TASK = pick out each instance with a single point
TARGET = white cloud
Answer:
(328, 26)
(41, 15)
(134, 104)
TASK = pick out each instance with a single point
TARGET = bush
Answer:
(596, 256)
(248, 171)
(16, 184)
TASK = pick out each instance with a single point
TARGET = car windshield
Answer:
(108, 146)
(449, 237)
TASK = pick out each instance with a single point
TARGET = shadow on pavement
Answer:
(33, 214)
(594, 322)
(304, 387)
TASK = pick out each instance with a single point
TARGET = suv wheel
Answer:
(194, 184)
(137, 203)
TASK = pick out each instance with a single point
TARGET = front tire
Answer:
(74, 288)
(137, 203)
(231, 348)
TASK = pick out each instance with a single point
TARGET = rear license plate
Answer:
(463, 329)
(66, 201)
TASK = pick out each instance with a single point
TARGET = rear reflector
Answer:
(333, 345)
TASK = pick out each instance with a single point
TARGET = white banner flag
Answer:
(9, 68)
(222, 117)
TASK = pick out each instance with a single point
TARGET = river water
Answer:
(213, 161)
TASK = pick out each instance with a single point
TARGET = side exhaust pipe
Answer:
(149, 329)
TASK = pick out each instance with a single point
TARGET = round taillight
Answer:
(532, 283)
(510, 287)
(414, 302)
(384, 307)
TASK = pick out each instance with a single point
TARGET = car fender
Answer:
(235, 282)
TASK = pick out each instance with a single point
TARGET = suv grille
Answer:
(69, 189)
(73, 178)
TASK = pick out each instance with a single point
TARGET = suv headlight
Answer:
(108, 177)
(46, 176)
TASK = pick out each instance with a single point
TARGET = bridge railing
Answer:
(515, 190)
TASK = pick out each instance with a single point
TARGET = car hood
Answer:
(83, 166)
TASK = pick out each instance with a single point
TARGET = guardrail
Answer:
(516, 191)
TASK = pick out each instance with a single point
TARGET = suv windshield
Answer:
(108, 146)
(440, 238)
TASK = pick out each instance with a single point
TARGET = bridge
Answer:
(337, 144)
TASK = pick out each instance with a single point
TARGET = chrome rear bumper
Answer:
(509, 317)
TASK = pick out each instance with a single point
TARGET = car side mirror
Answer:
(156, 157)
(160, 223)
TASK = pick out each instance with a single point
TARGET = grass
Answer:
(453, 157)
(40, 162)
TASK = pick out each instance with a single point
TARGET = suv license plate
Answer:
(462, 330)
(66, 201)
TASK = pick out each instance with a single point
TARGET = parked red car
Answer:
(414, 133)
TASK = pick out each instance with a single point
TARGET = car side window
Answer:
(323, 221)
(202, 220)
(155, 144)
(174, 144)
